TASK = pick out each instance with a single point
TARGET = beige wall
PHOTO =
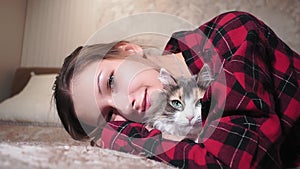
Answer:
(12, 17)
(54, 28)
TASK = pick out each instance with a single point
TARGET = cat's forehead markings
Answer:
(177, 93)
(180, 93)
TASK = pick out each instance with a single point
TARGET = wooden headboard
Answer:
(22, 76)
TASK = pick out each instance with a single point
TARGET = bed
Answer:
(31, 135)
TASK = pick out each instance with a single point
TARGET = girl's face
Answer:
(114, 89)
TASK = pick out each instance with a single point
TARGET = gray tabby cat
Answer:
(177, 109)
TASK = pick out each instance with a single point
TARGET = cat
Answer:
(176, 110)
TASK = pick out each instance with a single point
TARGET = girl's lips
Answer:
(146, 102)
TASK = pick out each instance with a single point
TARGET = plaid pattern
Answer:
(260, 108)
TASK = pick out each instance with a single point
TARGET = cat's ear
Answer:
(204, 78)
(166, 78)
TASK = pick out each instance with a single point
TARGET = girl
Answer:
(255, 127)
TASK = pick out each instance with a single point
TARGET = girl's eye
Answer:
(176, 104)
(111, 81)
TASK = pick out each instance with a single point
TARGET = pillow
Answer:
(33, 103)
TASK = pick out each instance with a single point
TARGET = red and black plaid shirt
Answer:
(253, 119)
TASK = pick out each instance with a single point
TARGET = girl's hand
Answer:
(172, 137)
(168, 136)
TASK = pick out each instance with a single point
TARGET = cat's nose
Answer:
(190, 118)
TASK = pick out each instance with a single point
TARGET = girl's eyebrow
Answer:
(98, 82)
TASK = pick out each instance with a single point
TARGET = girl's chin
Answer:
(138, 117)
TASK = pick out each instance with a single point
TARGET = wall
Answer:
(12, 17)
(54, 27)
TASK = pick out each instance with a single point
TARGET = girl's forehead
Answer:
(92, 70)
(87, 71)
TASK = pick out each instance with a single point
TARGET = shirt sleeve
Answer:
(253, 110)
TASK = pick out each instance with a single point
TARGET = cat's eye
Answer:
(198, 103)
(176, 104)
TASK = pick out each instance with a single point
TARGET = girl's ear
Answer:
(131, 48)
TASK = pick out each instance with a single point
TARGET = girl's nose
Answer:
(134, 105)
